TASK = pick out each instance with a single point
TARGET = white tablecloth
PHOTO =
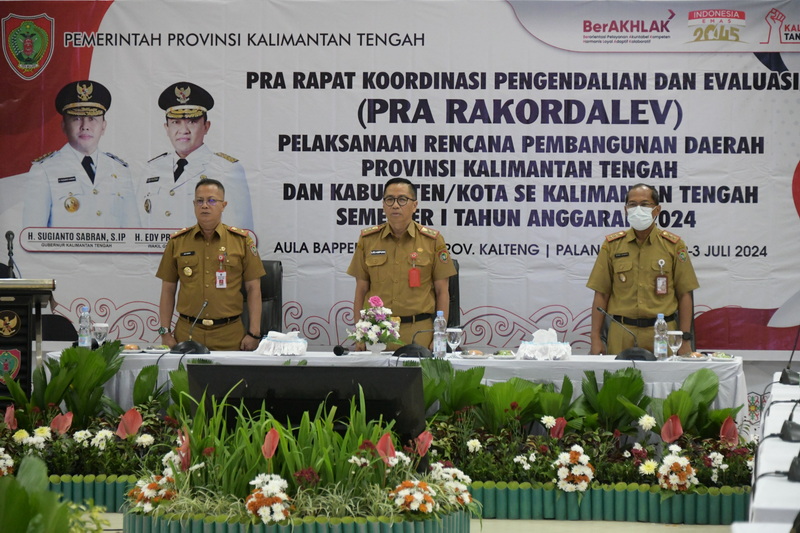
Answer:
(661, 377)
(776, 499)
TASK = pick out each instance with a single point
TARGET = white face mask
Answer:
(640, 218)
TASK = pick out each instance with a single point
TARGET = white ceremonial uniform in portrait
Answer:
(166, 203)
(61, 194)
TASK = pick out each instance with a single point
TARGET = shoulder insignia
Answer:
(237, 231)
(117, 159)
(158, 157)
(371, 230)
(428, 232)
(616, 235)
(180, 232)
(226, 156)
(671, 237)
(43, 157)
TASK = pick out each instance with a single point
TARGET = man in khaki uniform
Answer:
(211, 261)
(638, 274)
(404, 263)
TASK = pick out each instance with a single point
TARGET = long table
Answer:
(660, 377)
(775, 498)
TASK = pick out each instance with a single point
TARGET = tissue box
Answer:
(544, 351)
(276, 343)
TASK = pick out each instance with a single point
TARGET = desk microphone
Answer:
(789, 376)
(790, 431)
(190, 346)
(340, 350)
(630, 354)
(414, 349)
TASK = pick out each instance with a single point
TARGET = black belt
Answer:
(643, 322)
(415, 318)
(208, 322)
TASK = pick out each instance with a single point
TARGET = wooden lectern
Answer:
(21, 302)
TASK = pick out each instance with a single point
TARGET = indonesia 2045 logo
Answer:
(27, 43)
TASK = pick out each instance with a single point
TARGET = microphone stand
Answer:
(634, 353)
(190, 346)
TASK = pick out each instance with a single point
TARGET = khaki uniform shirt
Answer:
(192, 262)
(384, 261)
(627, 272)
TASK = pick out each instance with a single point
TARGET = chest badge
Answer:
(187, 271)
(72, 204)
(622, 277)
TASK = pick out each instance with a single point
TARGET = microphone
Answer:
(10, 239)
(190, 346)
(630, 354)
(790, 431)
(340, 350)
(789, 376)
(413, 349)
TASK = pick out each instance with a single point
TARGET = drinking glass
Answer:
(674, 341)
(100, 332)
(454, 338)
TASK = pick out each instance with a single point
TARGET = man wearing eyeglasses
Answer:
(169, 184)
(210, 261)
(638, 274)
(405, 263)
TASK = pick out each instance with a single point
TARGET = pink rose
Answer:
(375, 301)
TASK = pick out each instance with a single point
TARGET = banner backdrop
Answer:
(523, 123)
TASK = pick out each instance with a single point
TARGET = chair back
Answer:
(454, 316)
(58, 328)
(271, 298)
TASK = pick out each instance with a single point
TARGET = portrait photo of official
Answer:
(168, 189)
(80, 185)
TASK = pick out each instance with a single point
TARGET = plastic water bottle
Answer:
(439, 335)
(85, 328)
(660, 338)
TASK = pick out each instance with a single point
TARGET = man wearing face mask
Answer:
(638, 274)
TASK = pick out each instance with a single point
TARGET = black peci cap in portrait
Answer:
(185, 100)
(83, 98)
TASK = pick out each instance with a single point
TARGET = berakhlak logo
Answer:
(28, 43)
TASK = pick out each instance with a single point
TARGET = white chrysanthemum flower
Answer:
(549, 421)
(43, 432)
(648, 468)
(637, 446)
(647, 422)
(474, 445)
(577, 448)
(675, 449)
(626, 454)
(82, 437)
(145, 440)
(20, 436)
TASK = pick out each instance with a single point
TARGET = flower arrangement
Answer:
(414, 495)
(269, 501)
(375, 324)
(676, 472)
(574, 470)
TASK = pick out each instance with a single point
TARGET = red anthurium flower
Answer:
(11, 418)
(184, 451)
(385, 447)
(672, 429)
(270, 443)
(557, 431)
(423, 442)
(61, 423)
(129, 424)
(728, 433)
